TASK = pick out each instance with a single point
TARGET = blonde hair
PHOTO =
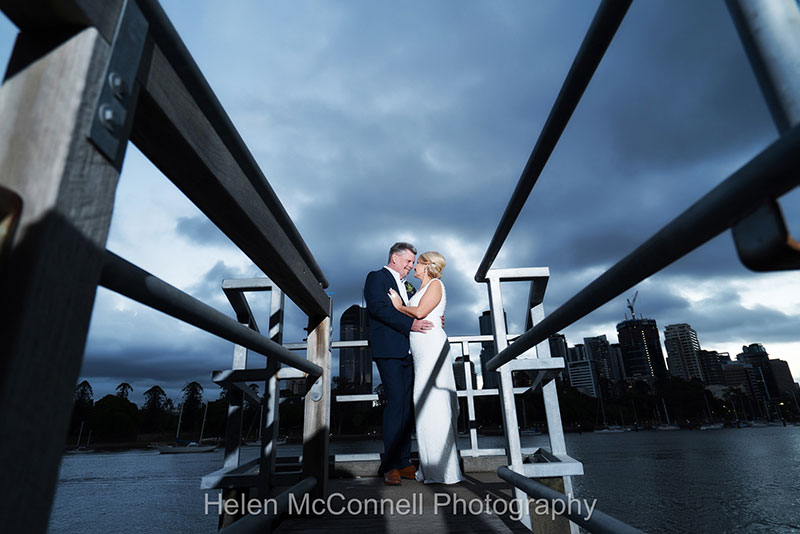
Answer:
(435, 263)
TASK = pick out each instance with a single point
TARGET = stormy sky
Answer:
(376, 121)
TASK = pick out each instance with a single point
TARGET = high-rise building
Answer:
(683, 351)
(598, 349)
(744, 377)
(355, 363)
(490, 378)
(756, 355)
(616, 354)
(641, 349)
(609, 377)
(559, 349)
(583, 377)
(784, 382)
(711, 365)
(460, 367)
(576, 353)
(558, 346)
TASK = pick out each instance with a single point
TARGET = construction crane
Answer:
(631, 303)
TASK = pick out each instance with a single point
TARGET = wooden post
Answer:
(317, 415)
(52, 264)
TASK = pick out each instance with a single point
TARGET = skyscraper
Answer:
(598, 349)
(559, 349)
(576, 353)
(616, 354)
(746, 378)
(756, 355)
(711, 364)
(583, 377)
(683, 351)
(460, 367)
(355, 364)
(558, 346)
(784, 382)
(641, 349)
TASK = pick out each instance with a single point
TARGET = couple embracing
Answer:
(410, 348)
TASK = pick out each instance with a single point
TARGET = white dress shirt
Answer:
(401, 288)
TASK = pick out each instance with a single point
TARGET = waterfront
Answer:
(730, 480)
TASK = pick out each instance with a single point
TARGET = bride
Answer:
(435, 400)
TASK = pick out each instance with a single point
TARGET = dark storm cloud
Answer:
(158, 363)
(723, 317)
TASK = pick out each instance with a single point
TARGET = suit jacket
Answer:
(388, 328)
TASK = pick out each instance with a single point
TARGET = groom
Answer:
(388, 341)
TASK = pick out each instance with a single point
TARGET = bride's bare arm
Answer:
(426, 305)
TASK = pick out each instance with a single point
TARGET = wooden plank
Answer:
(174, 133)
(317, 413)
(54, 263)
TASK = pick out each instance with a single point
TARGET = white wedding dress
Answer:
(435, 400)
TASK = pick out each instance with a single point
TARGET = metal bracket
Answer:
(763, 241)
(117, 100)
(316, 390)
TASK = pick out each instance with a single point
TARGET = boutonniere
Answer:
(410, 289)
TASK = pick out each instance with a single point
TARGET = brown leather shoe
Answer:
(408, 472)
(392, 478)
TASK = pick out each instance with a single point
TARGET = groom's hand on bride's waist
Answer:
(420, 326)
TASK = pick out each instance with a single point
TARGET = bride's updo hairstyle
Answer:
(435, 263)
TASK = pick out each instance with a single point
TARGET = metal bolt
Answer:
(117, 85)
(108, 118)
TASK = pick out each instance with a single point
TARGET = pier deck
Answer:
(430, 507)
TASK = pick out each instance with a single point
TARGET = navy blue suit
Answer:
(388, 341)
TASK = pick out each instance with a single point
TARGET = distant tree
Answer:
(123, 389)
(115, 418)
(84, 393)
(192, 406)
(82, 406)
(217, 415)
(154, 398)
(154, 410)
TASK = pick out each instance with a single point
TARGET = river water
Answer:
(730, 480)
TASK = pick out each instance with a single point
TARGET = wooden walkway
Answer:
(469, 506)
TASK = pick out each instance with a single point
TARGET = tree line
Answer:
(115, 418)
